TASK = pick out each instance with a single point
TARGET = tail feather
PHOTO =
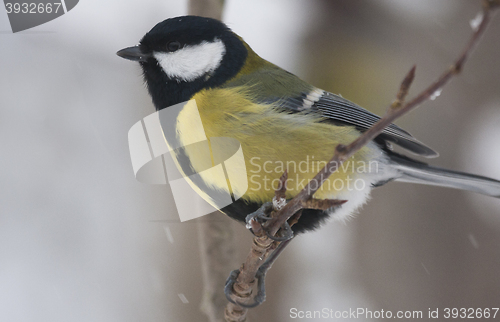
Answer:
(417, 172)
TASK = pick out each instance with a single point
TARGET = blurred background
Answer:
(82, 240)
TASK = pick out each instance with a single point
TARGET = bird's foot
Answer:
(262, 215)
(261, 288)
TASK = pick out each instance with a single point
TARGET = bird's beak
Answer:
(133, 53)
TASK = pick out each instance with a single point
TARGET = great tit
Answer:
(282, 123)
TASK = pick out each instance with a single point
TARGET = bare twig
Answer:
(261, 249)
(403, 90)
(280, 193)
(242, 289)
(291, 211)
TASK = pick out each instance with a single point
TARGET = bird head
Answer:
(183, 55)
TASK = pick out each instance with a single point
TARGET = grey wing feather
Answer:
(342, 111)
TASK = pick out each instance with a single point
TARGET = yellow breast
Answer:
(273, 141)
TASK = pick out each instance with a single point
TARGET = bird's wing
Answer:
(343, 112)
(272, 85)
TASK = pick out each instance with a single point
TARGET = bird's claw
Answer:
(260, 216)
(261, 288)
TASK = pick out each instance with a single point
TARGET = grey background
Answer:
(81, 240)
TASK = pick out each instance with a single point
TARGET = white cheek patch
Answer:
(191, 62)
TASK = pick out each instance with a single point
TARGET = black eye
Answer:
(173, 46)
